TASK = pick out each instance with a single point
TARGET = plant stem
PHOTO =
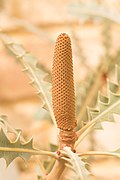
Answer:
(56, 171)
(91, 93)
(31, 151)
(99, 153)
(86, 129)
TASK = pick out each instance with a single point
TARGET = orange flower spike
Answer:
(63, 95)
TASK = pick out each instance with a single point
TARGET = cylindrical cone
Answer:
(63, 95)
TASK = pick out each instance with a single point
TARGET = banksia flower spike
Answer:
(63, 95)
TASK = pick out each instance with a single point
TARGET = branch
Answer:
(99, 153)
(57, 171)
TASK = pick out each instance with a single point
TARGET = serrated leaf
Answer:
(104, 112)
(75, 163)
(117, 70)
(92, 113)
(106, 105)
(117, 151)
(10, 150)
(112, 87)
(37, 75)
(6, 125)
(4, 120)
(93, 10)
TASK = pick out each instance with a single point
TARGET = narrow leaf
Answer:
(75, 163)
(107, 106)
(10, 150)
(37, 75)
(94, 10)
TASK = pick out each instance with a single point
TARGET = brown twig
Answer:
(56, 171)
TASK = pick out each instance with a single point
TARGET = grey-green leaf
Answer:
(107, 105)
(75, 163)
(37, 75)
(10, 150)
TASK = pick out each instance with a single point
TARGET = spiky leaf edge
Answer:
(10, 150)
(75, 163)
(96, 116)
(31, 67)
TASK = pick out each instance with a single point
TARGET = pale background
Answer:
(36, 24)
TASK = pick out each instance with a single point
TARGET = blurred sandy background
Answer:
(36, 24)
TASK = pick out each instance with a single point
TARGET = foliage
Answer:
(93, 10)
(66, 159)
(33, 70)
(105, 108)
(75, 163)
